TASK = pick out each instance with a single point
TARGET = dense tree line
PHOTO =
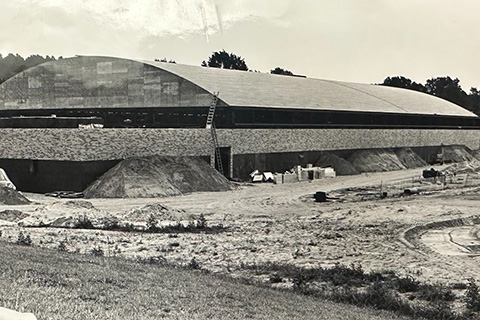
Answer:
(12, 64)
(442, 87)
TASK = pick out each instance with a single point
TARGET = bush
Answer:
(472, 296)
(83, 223)
(24, 240)
(97, 251)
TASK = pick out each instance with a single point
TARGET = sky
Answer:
(348, 40)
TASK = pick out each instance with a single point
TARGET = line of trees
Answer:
(12, 64)
(442, 87)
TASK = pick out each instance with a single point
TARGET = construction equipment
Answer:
(210, 124)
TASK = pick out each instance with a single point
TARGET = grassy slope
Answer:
(56, 285)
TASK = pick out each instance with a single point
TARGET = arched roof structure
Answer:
(89, 81)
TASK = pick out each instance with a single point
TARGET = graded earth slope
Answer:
(157, 176)
(341, 166)
(11, 197)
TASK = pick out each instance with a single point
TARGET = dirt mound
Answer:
(375, 160)
(157, 176)
(409, 158)
(12, 215)
(11, 197)
(157, 210)
(66, 214)
(342, 167)
(456, 154)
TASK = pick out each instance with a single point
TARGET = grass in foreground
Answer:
(58, 285)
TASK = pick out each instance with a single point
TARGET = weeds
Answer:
(472, 296)
(378, 289)
(23, 240)
(97, 251)
(83, 223)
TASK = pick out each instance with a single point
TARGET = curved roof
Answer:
(95, 82)
(253, 89)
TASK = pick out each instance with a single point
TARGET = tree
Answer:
(225, 60)
(13, 64)
(281, 71)
(448, 89)
(402, 82)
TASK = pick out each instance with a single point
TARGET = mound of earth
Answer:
(341, 166)
(456, 154)
(375, 160)
(157, 176)
(66, 214)
(12, 215)
(157, 210)
(409, 158)
(12, 197)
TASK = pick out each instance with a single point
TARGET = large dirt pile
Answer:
(409, 158)
(375, 160)
(11, 197)
(456, 154)
(157, 176)
(342, 167)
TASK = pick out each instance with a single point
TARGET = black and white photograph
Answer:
(239, 159)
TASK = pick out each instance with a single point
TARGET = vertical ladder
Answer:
(211, 110)
(216, 147)
(211, 125)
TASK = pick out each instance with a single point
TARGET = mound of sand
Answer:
(409, 158)
(157, 176)
(12, 197)
(342, 167)
(66, 214)
(157, 210)
(375, 160)
(456, 154)
(12, 215)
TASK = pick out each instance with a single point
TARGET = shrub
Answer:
(83, 223)
(407, 284)
(97, 251)
(62, 246)
(24, 240)
(472, 296)
(193, 264)
(152, 223)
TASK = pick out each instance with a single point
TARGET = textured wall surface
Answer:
(91, 82)
(110, 144)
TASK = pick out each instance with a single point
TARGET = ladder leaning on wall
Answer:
(211, 125)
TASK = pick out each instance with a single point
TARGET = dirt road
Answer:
(282, 224)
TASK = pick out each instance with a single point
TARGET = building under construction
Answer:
(65, 122)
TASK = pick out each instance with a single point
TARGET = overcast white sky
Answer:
(348, 40)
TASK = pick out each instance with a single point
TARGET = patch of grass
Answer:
(83, 223)
(378, 289)
(23, 240)
(58, 285)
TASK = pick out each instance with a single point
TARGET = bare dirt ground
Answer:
(281, 224)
